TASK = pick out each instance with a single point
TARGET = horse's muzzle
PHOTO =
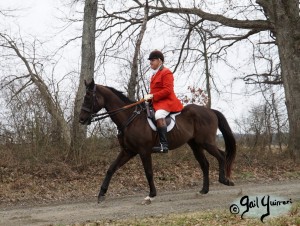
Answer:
(87, 121)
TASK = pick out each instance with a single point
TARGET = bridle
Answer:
(96, 117)
(90, 110)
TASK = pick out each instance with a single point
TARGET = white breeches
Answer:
(161, 114)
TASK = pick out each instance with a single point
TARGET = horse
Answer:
(196, 125)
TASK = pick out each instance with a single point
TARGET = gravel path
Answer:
(220, 196)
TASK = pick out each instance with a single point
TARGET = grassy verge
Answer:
(211, 217)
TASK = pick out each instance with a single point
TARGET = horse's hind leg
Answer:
(220, 156)
(122, 158)
(204, 164)
(147, 164)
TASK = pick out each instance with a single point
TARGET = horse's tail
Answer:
(230, 143)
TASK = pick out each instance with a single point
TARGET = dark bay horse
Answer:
(196, 125)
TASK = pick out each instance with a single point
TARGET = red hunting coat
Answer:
(162, 88)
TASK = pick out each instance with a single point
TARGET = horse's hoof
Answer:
(226, 182)
(203, 191)
(101, 198)
(147, 201)
(230, 183)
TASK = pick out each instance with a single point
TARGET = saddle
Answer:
(170, 119)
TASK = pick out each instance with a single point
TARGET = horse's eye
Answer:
(88, 93)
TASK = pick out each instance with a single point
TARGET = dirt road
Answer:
(220, 196)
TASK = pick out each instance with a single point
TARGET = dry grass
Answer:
(210, 217)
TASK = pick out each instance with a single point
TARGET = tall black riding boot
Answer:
(162, 133)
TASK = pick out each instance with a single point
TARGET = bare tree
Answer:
(86, 72)
(266, 124)
(28, 127)
(33, 76)
(132, 85)
(279, 122)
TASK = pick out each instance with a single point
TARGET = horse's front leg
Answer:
(123, 157)
(147, 163)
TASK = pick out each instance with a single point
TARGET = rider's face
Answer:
(155, 63)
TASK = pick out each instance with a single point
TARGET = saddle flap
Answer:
(170, 120)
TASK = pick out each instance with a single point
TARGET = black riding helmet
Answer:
(156, 54)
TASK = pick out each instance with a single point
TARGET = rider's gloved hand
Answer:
(148, 97)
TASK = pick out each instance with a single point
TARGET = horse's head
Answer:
(91, 104)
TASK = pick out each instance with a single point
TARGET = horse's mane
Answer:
(120, 94)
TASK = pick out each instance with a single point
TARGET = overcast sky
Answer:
(33, 16)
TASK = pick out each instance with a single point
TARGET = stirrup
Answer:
(160, 149)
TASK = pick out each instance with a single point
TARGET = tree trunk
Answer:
(207, 72)
(86, 73)
(290, 61)
(285, 15)
(55, 111)
(134, 68)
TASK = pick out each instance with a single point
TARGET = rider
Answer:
(163, 97)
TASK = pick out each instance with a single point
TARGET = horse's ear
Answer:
(91, 84)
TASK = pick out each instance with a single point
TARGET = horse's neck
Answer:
(113, 102)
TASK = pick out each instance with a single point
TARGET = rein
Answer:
(98, 117)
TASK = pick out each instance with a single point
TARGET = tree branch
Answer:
(235, 23)
(271, 79)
